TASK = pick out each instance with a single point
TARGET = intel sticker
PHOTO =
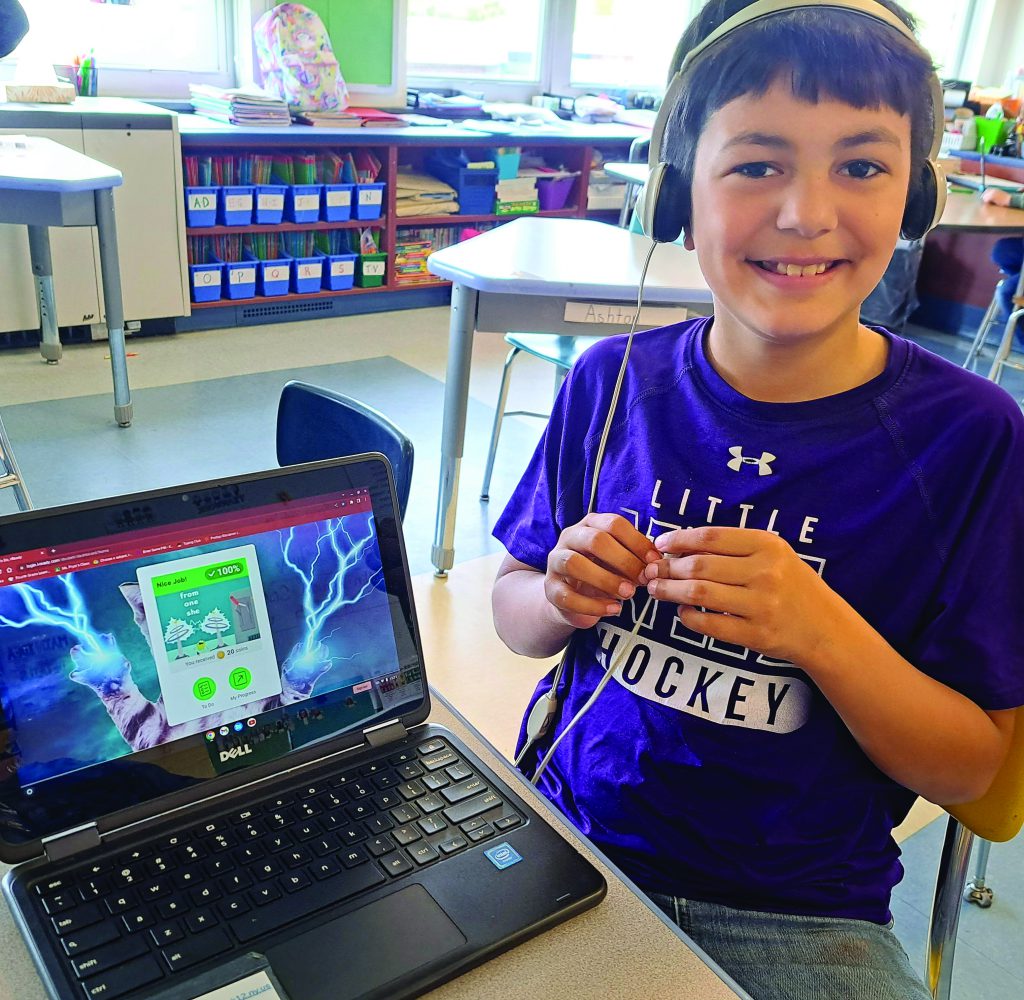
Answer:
(503, 856)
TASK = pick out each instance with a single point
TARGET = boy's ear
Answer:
(688, 238)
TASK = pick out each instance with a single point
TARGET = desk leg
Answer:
(42, 270)
(453, 434)
(113, 304)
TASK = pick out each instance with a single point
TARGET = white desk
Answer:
(635, 175)
(528, 275)
(43, 183)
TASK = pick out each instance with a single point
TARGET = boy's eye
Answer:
(755, 170)
(862, 169)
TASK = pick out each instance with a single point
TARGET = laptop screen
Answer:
(154, 643)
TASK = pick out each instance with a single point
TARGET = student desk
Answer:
(552, 275)
(43, 183)
(621, 949)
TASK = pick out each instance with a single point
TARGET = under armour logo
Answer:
(763, 463)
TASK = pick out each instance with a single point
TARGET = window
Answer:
(942, 27)
(142, 48)
(496, 40)
(620, 40)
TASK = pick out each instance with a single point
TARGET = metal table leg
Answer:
(453, 434)
(42, 271)
(113, 304)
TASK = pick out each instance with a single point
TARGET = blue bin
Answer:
(336, 205)
(339, 270)
(240, 279)
(201, 206)
(302, 203)
(205, 281)
(236, 205)
(369, 201)
(269, 204)
(307, 273)
(474, 188)
(272, 276)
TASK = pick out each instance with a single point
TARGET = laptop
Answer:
(218, 777)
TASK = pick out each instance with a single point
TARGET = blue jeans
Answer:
(1008, 256)
(781, 956)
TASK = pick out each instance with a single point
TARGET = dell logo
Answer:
(226, 755)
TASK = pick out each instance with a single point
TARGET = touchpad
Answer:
(364, 949)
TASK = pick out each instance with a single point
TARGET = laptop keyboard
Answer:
(128, 921)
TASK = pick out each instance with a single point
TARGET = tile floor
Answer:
(215, 393)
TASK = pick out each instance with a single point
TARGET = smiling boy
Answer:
(849, 504)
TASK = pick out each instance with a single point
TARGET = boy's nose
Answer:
(808, 207)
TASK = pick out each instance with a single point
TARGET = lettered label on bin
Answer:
(275, 272)
(206, 279)
(307, 202)
(241, 275)
(338, 198)
(339, 268)
(373, 268)
(310, 270)
(238, 203)
(201, 202)
(270, 202)
(370, 197)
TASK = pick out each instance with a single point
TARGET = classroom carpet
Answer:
(70, 450)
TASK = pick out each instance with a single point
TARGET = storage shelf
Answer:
(285, 227)
(265, 300)
(439, 283)
(455, 220)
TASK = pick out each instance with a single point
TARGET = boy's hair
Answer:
(826, 52)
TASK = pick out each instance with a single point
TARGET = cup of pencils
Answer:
(85, 75)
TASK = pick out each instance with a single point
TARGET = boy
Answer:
(848, 504)
(1007, 254)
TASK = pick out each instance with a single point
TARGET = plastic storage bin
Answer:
(302, 203)
(205, 282)
(269, 208)
(201, 206)
(553, 194)
(507, 159)
(336, 205)
(239, 279)
(372, 267)
(272, 276)
(236, 205)
(339, 270)
(369, 200)
(474, 188)
(306, 274)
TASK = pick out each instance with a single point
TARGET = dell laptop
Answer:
(218, 776)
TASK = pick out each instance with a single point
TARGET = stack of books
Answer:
(243, 106)
(516, 196)
(328, 119)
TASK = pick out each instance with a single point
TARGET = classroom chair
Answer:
(315, 423)
(638, 152)
(997, 816)
(1002, 358)
(560, 350)
(10, 473)
(987, 322)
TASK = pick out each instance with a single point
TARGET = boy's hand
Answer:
(596, 565)
(996, 196)
(773, 601)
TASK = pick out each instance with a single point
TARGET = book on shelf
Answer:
(239, 106)
(374, 118)
(327, 119)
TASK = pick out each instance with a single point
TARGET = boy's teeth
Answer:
(796, 271)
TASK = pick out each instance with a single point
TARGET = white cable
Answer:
(551, 695)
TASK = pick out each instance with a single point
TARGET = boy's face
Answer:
(814, 191)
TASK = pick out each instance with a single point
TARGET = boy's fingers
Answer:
(702, 594)
(625, 534)
(700, 566)
(720, 541)
(568, 600)
(576, 566)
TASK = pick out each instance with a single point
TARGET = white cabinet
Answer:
(143, 143)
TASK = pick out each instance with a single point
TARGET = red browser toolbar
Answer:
(38, 564)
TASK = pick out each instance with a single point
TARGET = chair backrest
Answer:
(315, 423)
(999, 814)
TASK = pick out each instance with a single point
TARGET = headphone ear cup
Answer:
(924, 203)
(664, 204)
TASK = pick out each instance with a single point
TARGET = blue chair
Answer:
(315, 423)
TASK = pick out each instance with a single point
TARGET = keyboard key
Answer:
(472, 807)
(380, 845)
(296, 857)
(154, 890)
(56, 902)
(409, 770)
(93, 888)
(456, 793)
(379, 824)
(482, 834)
(362, 810)
(219, 866)
(311, 791)
(325, 868)
(123, 978)
(265, 894)
(440, 759)
(405, 814)
(307, 830)
(233, 906)
(101, 959)
(169, 908)
(294, 906)
(201, 920)
(507, 822)
(385, 780)
(121, 902)
(429, 803)
(387, 800)
(396, 864)
(204, 894)
(245, 856)
(166, 934)
(196, 949)
(432, 782)
(406, 835)
(404, 757)
(458, 772)
(91, 937)
(236, 882)
(359, 790)
(432, 824)
(351, 835)
(137, 920)
(431, 747)
(353, 856)
(472, 824)
(374, 767)
(74, 920)
(294, 881)
(411, 790)
(422, 853)
(268, 869)
(453, 844)
(52, 885)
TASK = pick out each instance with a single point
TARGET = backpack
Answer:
(297, 61)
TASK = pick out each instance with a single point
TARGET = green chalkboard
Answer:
(362, 34)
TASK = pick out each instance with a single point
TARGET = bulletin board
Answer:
(368, 37)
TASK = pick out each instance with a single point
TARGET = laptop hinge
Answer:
(63, 845)
(386, 732)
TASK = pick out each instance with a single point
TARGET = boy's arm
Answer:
(920, 732)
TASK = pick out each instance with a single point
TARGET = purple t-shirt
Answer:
(707, 770)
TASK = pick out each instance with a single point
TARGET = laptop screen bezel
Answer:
(93, 519)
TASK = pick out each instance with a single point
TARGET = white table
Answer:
(552, 276)
(635, 175)
(43, 183)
